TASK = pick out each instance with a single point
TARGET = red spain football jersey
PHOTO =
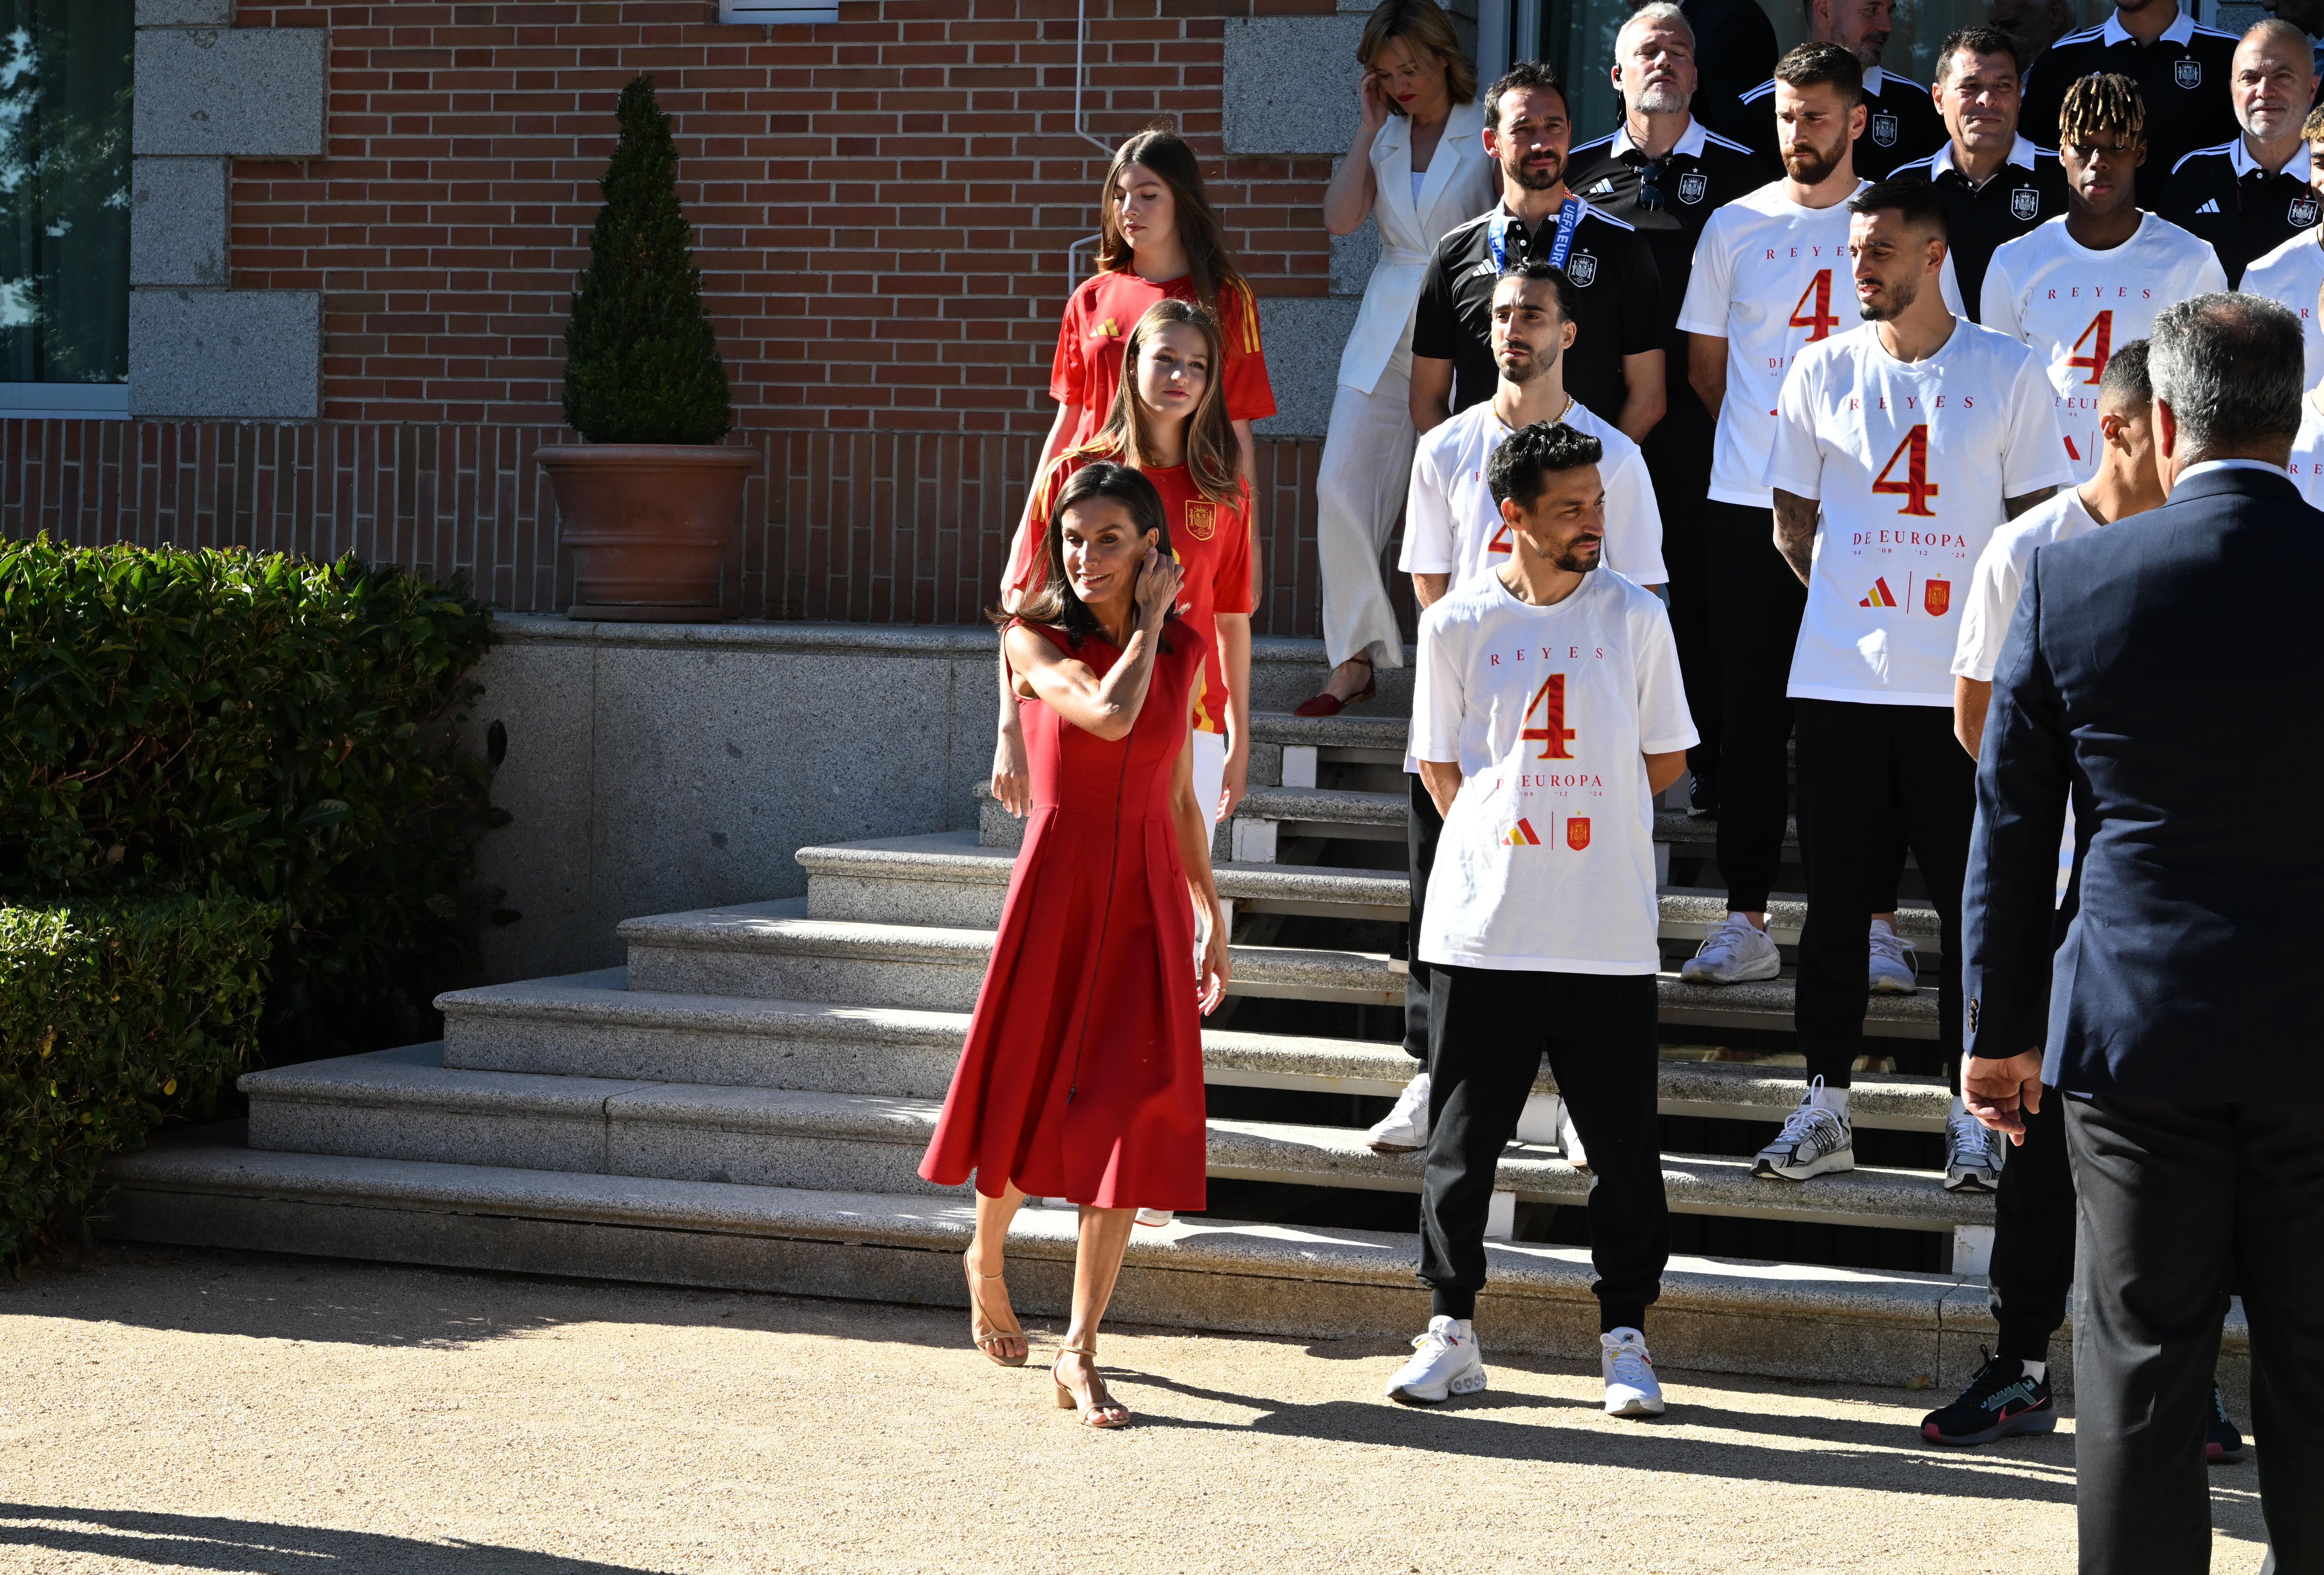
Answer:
(1212, 540)
(1098, 316)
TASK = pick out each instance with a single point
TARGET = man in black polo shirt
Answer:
(1900, 123)
(1996, 184)
(2250, 194)
(1665, 172)
(2182, 69)
(1615, 367)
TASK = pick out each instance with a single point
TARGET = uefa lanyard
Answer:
(1497, 233)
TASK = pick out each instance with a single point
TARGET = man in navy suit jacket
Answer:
(2163, 674)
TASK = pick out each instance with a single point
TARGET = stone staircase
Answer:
(746, 1104)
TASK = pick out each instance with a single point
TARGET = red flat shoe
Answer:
(1330, 704)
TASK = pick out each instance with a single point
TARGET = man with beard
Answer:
(2182, 69)
(2249, 195)
(1453, 531)
(1899, 448)
(1900, 123)
(1666, 173)
(1770, 279)
(1617, 365)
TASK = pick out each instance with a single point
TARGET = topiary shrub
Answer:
(269, 728)
(114, 1016)
(641, 361)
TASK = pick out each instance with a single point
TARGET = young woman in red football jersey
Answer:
(1168, 421)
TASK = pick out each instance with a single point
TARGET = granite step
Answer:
(1784, 1321)
(951, 877)
(590, 1025)
(406, 1104)
(774, 951)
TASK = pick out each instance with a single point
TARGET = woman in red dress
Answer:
(1083, 1073)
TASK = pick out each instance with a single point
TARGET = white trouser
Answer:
(1359, 492)
(1210, 771)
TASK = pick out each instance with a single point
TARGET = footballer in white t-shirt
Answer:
(2071, 304)
(2290, 276)
(1549, 711)
(2307, 466)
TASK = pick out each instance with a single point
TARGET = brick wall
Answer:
(882, 209)
(883, 205)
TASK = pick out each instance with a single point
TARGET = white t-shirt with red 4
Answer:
(1547, 860)
(2072, 305)
(1912, 462)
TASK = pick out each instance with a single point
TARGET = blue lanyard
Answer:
(1497, 234)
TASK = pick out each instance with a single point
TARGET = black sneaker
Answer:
(2000, 1402)
(2222, 1444)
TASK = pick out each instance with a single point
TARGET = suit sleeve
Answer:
(2009, 902)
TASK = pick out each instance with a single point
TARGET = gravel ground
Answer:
(221, 1411)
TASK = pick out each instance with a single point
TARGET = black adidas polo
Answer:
(2029, 187)
(1900, 123)
(2183, 77)
(2222, 195)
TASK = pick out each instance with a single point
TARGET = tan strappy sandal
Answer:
(1102, 1398)
(983, 1331)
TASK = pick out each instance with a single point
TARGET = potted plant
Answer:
(648, 503)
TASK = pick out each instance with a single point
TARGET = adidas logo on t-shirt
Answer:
(2210, 205)
(1881, 596)
(1603, 189)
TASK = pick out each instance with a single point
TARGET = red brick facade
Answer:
(882, 209)
(883, 205)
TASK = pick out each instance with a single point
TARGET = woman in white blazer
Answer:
(1418, 166)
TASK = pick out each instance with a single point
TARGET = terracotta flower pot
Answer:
(648, 525)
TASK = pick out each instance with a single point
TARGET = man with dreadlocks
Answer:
(2076, 286)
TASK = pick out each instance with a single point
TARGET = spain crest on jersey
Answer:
(2302, 212)
(2187, 73)
(1936, 595)
(1884, 129)
(1201, 520)
(1693, 188)
(1577, 832)
(1582, 268)
(2024, 204)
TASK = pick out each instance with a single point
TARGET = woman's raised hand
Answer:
(1371, 99)
(1160, 581)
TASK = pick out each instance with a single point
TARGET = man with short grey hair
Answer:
(2249, 195)
(2179, 1018)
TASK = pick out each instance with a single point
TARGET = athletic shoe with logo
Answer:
(2222, 1444)
(1404, 1129)
(1630, 1372)
(1895, 969)
(1735, 952)
(2000, 1402)
(1816, 1140)
(1973, 1155)
(1445, 1362)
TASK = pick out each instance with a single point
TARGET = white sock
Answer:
(2037, 1371)
(1834, 1099)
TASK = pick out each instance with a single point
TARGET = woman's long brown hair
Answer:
(1208, 262)
(1213, 457)
(1057, 604)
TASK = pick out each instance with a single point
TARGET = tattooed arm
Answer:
(1795, 530)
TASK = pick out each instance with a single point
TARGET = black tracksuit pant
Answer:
(1678, 459)
(1422, 826)
(2033, 1238)
(1755, 602)
(1491, 1029)
(2178, 1203)
(1865, 773)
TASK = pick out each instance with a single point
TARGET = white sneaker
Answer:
(1569, 1141)
(1735, 952)
(1157, 1218)
(1817, 1138)
(1447, 1363)
(1404, 1129)
(1896, 970)
(1973, 1154)
(1630, 1386)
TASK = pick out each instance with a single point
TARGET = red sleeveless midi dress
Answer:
(1082, 1078)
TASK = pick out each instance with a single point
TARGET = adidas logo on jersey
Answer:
(2210, 205)
(1881, 596)
(1605, 188)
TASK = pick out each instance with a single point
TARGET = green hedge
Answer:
(114, 1016)
(230, 725)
